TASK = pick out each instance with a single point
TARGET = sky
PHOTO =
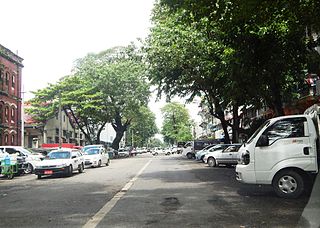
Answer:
(51, 34)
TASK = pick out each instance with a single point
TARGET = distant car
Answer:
(122, 152)
(158, 151)
(95, 157)
(228, 156)
(31, 158)
(62, 161)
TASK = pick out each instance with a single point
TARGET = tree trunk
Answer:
(120, 129)
(235, 125)
(117, 140)
(221, 117)
(276, 96)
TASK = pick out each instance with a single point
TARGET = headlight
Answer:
(245, 158)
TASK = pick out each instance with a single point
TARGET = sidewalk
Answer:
(311, 213)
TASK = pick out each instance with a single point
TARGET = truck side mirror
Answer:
(263, 141)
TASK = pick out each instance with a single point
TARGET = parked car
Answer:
(62, 161)
(31, 159)
(211, 148)
(87, 147)
(123, 152)
(228, 156)
(95, 157)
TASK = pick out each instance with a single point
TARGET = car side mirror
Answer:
(263, 141)
(73, 157)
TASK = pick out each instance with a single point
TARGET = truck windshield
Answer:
(257, 131)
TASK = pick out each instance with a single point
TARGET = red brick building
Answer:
(10, 97)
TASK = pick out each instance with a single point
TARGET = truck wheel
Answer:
(189, 156)
(212, 162)
(288, 184)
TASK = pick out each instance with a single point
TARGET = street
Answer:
(145, 191)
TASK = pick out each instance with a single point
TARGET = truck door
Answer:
(286, 141)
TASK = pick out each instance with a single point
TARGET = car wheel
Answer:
(70, 171)
(39, 176)
(81, 168)
(189, 156)
(212, 162)
(156, 153)
(108, 163)
(288, 184)
(99, 163)
(29, 169)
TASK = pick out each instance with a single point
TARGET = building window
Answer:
(12, 139)
(6, 113)
(64, 118)
(57, 131)
(13, 81)
(76, 135)
(13, 114)
(7, 78)
(6, 139)
(64, 133)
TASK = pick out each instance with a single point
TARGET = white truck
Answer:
(283, 152)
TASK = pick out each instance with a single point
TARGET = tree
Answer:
(186, 59)
(142, 127)
(234, 53)
(177, 125)
(106, 87)
(272, 41)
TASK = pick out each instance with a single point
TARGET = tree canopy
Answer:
(233, 53)
(177, 125)
(107, 87)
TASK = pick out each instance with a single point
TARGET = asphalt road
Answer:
(146, 191)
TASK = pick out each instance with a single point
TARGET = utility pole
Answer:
(60, 122)
(22, 118)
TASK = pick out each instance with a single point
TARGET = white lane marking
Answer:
(96, 219)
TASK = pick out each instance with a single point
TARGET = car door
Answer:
(75, 160)
(227, 155)
(103, 156)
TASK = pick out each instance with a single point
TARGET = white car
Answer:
(228, 156)
(95, 157)
(122, 152)
(62, 161)
(30, 158)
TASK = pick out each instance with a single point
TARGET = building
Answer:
(10, 97)
(37, 133)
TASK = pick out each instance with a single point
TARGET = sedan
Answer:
(228, 156)
(63, 161)
(95, 157)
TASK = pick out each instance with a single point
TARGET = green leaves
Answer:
(177, 125)
(107, 87)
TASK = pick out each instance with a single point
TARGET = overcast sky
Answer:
(51, 34)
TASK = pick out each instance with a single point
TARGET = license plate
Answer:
(48, 172)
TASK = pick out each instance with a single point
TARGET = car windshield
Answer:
(59, 155)
(84, 149)
(257, 131)
(92, 151)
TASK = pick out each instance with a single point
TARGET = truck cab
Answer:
(283, 152)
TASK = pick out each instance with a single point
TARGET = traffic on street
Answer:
(147, 191)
